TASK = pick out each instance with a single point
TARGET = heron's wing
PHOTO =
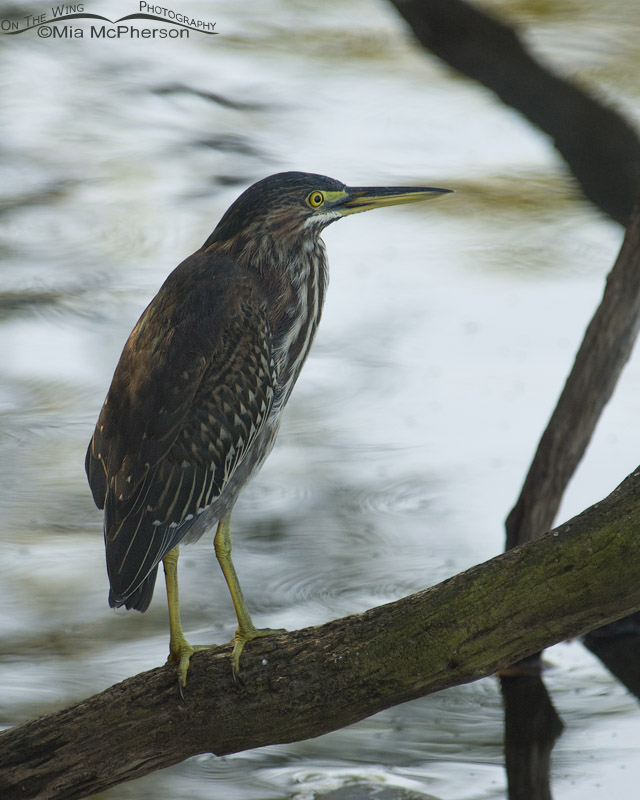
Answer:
(192, 390)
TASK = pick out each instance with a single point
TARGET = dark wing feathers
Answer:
(193, 388)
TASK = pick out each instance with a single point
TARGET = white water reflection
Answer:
(447, 335)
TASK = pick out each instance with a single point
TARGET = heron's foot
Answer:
(244, 635)
(180, 652)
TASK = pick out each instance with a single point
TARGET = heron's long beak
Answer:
(364, 198)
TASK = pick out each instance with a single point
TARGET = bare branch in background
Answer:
(598, 144)
(604, 351)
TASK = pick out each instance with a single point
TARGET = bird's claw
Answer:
(241, 638)
(180, 652)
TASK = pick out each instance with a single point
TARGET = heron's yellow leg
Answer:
(180, 650)
(246, 630)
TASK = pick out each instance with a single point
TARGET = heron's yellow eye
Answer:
(315, 199)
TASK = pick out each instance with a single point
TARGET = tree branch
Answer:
(598, 144)
(309, 682)
(603, 151)
(604, 351)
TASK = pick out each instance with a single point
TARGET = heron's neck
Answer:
(294, 279)
(303, 277)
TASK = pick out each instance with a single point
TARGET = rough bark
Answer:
(598, 144)
(302, 684)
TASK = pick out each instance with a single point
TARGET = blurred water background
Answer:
(447, 334)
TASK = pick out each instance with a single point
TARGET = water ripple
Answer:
(411, 495)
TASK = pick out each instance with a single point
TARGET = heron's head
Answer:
(291, 208)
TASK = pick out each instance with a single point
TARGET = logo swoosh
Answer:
(112, 22)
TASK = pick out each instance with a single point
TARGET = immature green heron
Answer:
(195, 402)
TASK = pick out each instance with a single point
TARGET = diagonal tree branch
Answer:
(309, 682)
(597, 143)
(531, 729)
(604, 351)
